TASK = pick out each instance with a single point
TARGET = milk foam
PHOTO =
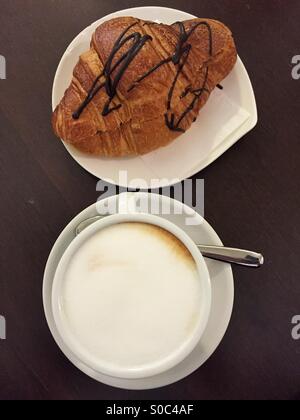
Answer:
(131, 295)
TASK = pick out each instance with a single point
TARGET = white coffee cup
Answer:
(149, 369)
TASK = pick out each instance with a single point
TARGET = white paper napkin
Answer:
(217, 120)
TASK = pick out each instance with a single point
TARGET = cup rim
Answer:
(177, 356)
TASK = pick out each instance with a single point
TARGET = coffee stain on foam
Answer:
(175, 246)
(97, 262)
(172, 242)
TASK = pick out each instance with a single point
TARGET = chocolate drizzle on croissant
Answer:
(179, 58)
(121, 64)
(154, 100)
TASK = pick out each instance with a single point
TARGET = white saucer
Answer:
(222, 300)
(192, 152)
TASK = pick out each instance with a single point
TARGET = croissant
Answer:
(142, 84)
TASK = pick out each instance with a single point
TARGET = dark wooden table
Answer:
(252, 200)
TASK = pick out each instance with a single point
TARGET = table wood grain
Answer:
(252, 200)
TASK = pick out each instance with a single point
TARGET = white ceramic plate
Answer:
(237, 86)
(222, 299)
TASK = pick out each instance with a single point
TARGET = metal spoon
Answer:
(219, 253)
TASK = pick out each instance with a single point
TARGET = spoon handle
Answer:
(219, 253)
(232, 255)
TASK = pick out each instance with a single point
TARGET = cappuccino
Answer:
(131, 295)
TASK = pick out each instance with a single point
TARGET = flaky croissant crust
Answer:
(143, 116)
